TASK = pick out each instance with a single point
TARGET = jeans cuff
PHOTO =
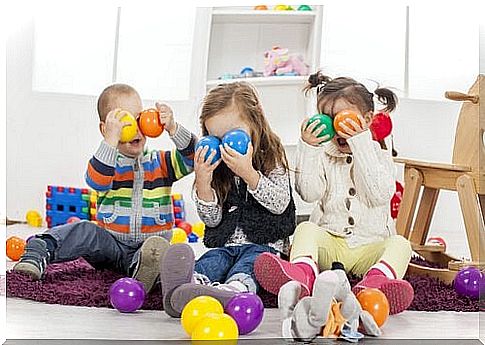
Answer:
(246, 279)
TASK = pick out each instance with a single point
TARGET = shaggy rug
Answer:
(77, 283)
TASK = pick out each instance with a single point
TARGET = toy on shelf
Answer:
(15, 247)
(149, 123)
(127, 295)
(34, 218)
(278, 61)
(304, 8)
(246, 72)
(261, 7)
(283, 8)
(63, 203)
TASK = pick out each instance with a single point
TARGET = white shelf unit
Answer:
(238, 37)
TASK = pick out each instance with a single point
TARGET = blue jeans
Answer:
(93, 243)
(232, 263)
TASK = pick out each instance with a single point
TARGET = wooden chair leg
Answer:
(424, 216)
(413, 180)
(474, 223)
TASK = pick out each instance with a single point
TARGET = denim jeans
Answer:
(232, 263)
(93, 243)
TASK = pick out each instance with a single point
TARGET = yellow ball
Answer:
(34, 218)
(281, 8)
(178, 236)
(216, 327)
(128, 133)
(196, 310)
(199, 229)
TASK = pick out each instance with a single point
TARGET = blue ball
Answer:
(238, 140)
(213, 143)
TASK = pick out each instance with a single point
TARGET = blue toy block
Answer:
(178, 203)
(193, 238)
(63, 203)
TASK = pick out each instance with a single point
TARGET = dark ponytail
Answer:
(387, 98)
(316, 80)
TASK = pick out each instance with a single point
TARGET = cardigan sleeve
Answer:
(101, 168)
(210, 212)
(374, 169)
(273, 191)
(310, 180)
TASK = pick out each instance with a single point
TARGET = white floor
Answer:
(32, 320)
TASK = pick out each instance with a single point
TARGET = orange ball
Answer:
(15, 247)
(376, 303)
(149, 123)
(342, 117)
(261, 7)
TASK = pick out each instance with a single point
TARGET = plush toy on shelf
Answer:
(278, 61)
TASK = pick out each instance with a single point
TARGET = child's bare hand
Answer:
(241, 165)
(310, 134)
(352, 128)
(113, 126)
(166, 117)
(203, 172)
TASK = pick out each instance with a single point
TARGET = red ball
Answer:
(381, 126)
(73, 220)
(178, 221)
(395, 204)
(185, 226)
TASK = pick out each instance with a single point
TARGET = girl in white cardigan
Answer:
(352, 179)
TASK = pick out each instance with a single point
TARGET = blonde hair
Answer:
(268, 149)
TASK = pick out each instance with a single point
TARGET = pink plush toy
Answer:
(277, 61)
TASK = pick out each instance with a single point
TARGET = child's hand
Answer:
(113, 126)
(241, 165)
(310, 134)
(203, 172)
(166, 118)
(352, 128)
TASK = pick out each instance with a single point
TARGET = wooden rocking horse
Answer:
(466, 175)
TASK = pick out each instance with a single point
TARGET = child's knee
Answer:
(398, 241)
(306, 229)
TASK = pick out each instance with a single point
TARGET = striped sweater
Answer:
(134, 194)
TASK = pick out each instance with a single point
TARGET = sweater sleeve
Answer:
(180, 162)
(374, 169)
(101, 168)
(209, 212)
(273, 191)
(310, 180)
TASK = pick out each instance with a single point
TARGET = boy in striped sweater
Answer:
(135, 217)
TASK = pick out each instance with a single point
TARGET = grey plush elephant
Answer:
(303, 320)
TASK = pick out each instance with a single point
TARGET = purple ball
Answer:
(247, 310)
(469, 281)
(127, 295)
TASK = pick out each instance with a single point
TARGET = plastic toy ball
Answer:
(323, 120)
(197, 309)
(128, 133)
(34, 218)
(381, 126)
(280, 8)
(261, 7)
(149, 123)
(341, 118)
(436, 241)
(126, 295)
(213, 143)
(199, 229)
(376, 303)
(15, 247)
(73, 220)
(469, 281)
(238, 140)
(185, 227)
(216, 327)
(304, 8)
(178, 236)
(247, 310)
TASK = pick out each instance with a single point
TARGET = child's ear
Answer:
(101, 127)
(369, 116)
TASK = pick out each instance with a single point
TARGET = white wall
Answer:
(51, 136)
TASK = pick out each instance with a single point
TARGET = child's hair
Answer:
(329, 90)
(111, 92)
(268, 149)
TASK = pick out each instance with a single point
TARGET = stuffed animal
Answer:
(277, 61)
(332, 311)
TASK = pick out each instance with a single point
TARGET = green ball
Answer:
(324, 120)
(304, 8)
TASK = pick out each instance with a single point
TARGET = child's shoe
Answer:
(272, 273)
(148, 265)
(34, 261)
(399, 292)
(177, 268)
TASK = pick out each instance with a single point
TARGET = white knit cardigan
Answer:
(353, 190)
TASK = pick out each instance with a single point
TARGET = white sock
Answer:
(238, 285)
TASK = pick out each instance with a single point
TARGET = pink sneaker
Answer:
(272, 273)
(399, 293)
